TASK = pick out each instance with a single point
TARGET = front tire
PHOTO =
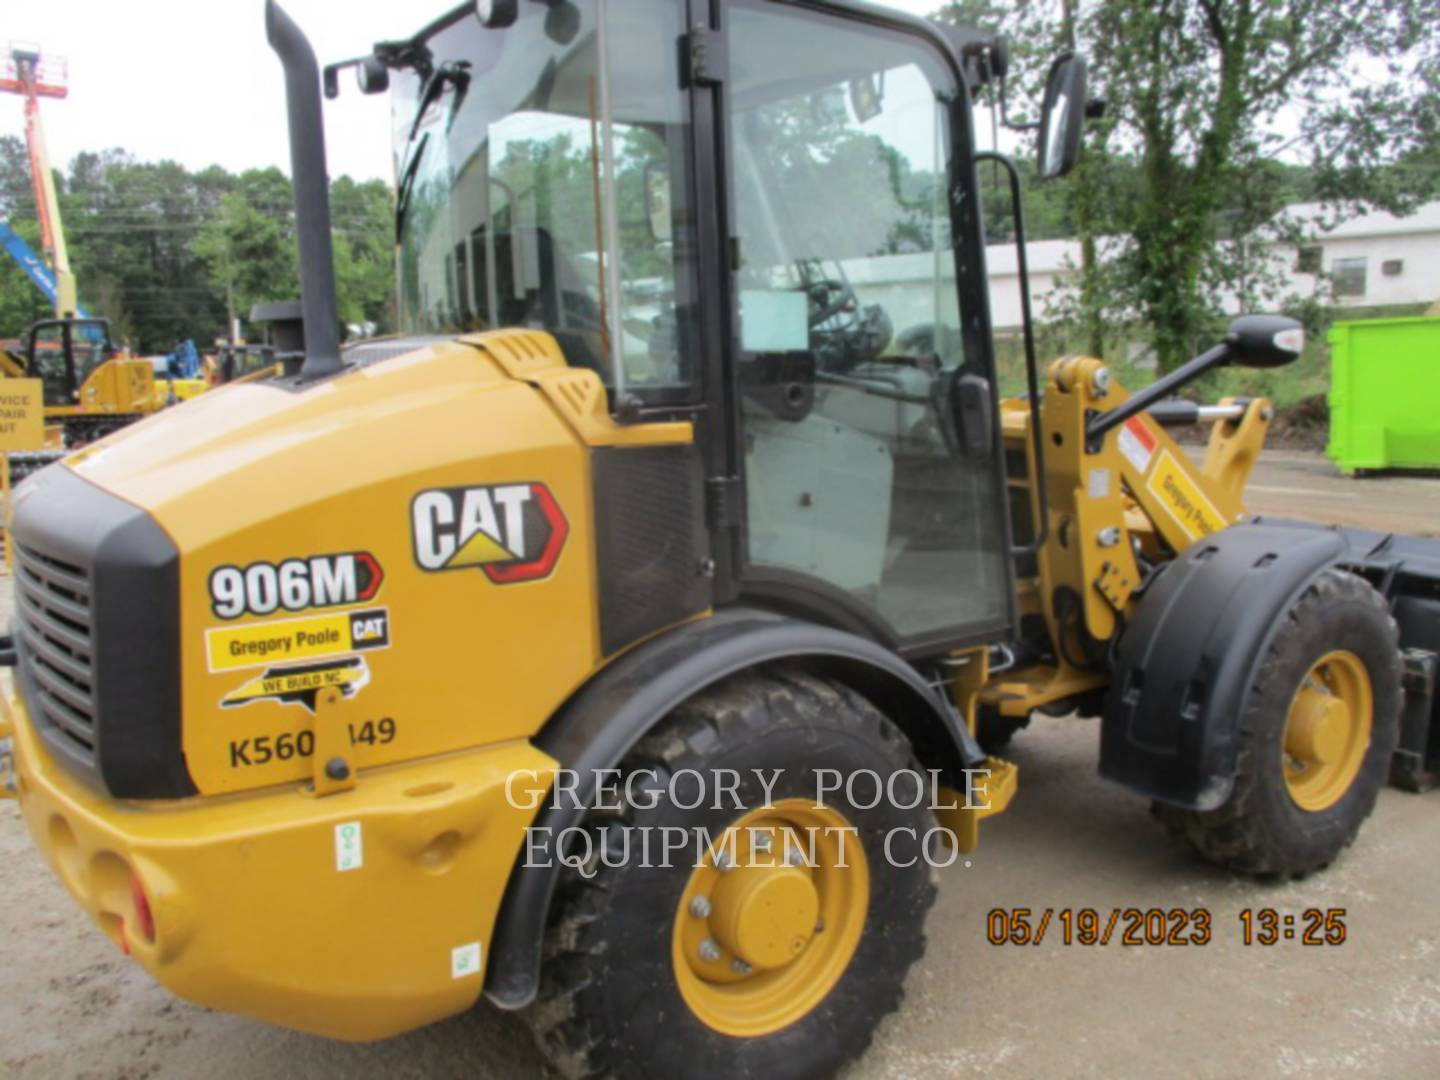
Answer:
(1317, 731)
(644, 973)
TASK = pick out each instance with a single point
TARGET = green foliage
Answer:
(364, 241)
(1206, 101)
(168, 254)
(20, 302)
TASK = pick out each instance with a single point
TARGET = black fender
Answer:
(1184, 663)
(600, 724)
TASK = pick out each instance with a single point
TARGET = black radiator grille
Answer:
(52, 598)
(97, 635)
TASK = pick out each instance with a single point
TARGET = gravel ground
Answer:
(1367, 1008)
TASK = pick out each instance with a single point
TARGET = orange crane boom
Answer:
(33, 77)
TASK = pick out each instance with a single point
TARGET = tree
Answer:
(1204, 96)
(248, 246)
(167, 254)
(363, 215)
(21, 303)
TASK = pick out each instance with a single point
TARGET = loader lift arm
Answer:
(1116, 508)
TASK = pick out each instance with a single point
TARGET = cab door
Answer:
(874, 494)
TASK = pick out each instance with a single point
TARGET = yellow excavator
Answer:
(629, 640)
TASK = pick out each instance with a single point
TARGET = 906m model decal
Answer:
(510, 532)
(315, 581)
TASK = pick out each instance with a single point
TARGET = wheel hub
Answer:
(765, 914)
(1327, 732)
(1318, 727)
(771, 918)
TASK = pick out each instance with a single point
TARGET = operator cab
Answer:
(782, 220)
(63, 353)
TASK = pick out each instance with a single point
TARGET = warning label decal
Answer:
(1137, 443)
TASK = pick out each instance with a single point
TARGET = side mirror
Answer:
(1265, 341)
(562, 21)
(657, 202)
(372, 76)
(1062, 117)
(496, 14)
(1257, 341)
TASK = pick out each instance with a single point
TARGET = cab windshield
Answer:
(542, 183)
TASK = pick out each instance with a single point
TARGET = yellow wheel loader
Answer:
(623, 642)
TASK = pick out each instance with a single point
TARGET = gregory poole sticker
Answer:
(311, 637)
(1183, 500)
(510, 532)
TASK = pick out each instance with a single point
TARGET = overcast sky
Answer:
(195, 81)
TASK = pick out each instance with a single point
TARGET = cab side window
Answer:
(859, 479)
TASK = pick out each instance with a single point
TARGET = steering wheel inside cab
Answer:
(828, 297)
(843, 333)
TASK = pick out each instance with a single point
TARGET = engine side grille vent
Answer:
(52, 599)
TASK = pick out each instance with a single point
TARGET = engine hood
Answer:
(270, 448)
(404, 537)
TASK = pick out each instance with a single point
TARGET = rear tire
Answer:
(1276, 822)
(611, 1000)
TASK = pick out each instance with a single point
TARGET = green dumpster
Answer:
(1385, 394)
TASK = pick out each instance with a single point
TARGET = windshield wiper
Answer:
(407, 184)
(452, 73)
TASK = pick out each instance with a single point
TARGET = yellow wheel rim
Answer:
(769, 921)
(1328, 730)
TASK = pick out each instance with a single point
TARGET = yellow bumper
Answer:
(355, 916)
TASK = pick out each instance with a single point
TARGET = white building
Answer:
(1372, 260)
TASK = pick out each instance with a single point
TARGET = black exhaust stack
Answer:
(312, 193)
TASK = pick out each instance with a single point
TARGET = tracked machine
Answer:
(690, 463)
(91, 386)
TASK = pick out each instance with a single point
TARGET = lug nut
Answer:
(740, 967)
(795, 857)
(700, 907)
(723, 862)
(709, 951)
